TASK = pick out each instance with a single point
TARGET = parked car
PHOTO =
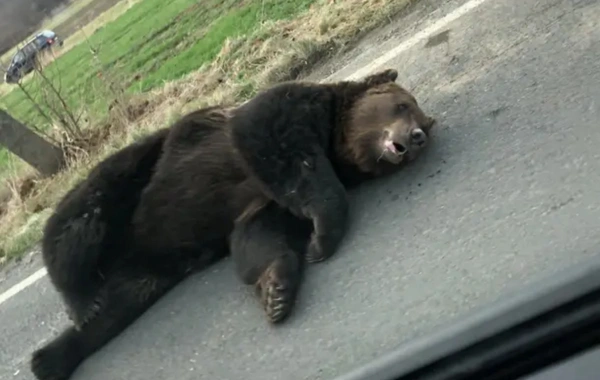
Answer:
(23, 62)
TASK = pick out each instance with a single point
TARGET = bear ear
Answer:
(429, 124)
(381, 77)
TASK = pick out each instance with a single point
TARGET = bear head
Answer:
(385, 125)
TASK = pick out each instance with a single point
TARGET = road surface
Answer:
(509, 191)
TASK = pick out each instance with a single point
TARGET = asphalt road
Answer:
(509, 191)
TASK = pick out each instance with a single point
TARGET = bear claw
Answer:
(89, 315)
(92, 313)
(276, 297)
(314, 253)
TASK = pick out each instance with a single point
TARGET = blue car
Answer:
(23, 62)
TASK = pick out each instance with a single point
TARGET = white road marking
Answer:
(15, 289)
(365, 70)
(413, 40)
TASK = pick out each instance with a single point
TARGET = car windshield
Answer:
(351, 227)
(47, 34)
(19, 57)
(39, 40)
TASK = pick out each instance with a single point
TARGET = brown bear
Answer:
(307, 130)
(204, 188)
(316, 141)
(83, 237)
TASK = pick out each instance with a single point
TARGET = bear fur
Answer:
(200, 194)
(307, 129)
(268, 248)
(82, 238)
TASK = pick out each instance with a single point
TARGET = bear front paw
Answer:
(81, 316)
(277, 294)
(316, 252)
(92, 313)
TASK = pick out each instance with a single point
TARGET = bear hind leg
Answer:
(267, 249)
(128, 295)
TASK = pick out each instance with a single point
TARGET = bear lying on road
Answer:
(200, 186)
(307, 129)
(365, 128)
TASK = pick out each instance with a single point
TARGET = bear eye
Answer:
(401, 107)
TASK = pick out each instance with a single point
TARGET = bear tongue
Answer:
(389, 145)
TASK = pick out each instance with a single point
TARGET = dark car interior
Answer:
(549, 330)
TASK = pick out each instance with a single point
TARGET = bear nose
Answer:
(418, 136)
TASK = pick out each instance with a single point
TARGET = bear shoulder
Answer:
(119, 176)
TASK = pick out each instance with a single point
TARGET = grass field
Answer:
(81, 17)
(67, 23)
(150, 47)
(178, 55)
(147, 47)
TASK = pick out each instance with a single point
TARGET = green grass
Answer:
(5, 156)
(30, 233)
(153, 42)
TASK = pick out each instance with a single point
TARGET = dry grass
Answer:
(277, 51)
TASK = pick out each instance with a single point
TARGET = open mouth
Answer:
(394, 147)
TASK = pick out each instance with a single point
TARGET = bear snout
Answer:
(418, 137)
